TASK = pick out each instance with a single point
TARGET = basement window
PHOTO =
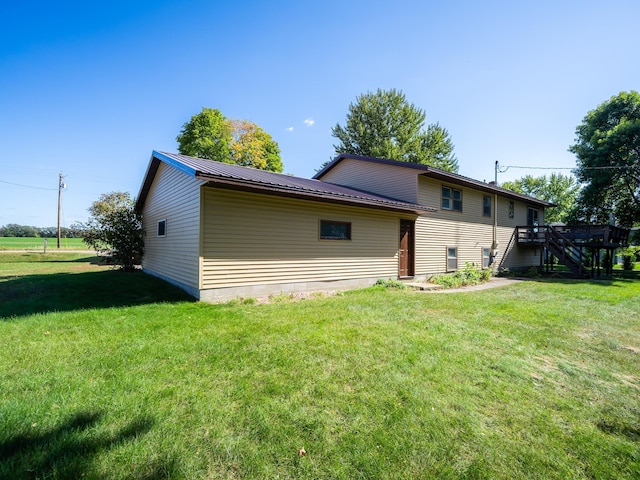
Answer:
(486, 257)
(332, 230)
(162, 228)
(452, 259)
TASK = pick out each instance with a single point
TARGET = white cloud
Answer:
(290, 129)
(309, 122)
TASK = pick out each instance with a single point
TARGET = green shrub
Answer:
(390, 283)
(469, 275)
(533, 272)
(485, 275)
(629, 257)
(504, 272)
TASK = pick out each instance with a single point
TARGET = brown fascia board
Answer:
(154, 164)
(239, 185)
(482, 186)
(429, 171)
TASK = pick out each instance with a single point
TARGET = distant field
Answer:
(31, 243)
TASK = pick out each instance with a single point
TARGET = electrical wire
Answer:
(28, 186)
(504, 168)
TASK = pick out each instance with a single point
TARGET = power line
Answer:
(27, 186)
(504, 168)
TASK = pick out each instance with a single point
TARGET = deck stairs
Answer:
(577, 247)
(567, 252)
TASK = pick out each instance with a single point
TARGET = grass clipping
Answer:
(469, 275)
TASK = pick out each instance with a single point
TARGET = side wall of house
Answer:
(256, 245)
(469, 231)
(511, 255)
(387, 180)
(175, 197)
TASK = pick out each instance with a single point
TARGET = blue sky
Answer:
(89, 89)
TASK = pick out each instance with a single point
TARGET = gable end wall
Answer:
(175, 197)
(387, 180)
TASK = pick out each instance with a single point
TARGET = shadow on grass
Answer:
(62, 292)
(67, 450)
(615, 428)
(614, 280)
(64, 257)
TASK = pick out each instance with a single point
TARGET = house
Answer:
(222, 231)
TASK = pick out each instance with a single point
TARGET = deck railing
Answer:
(581, 235)
(577, 247)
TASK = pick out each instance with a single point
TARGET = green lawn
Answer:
(106, 374)
(29, 243)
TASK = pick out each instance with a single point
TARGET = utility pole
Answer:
(61, 185)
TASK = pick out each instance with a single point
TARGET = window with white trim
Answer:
(486, 257)
(452, 258)
(162, 228)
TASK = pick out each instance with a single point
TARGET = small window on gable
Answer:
(451, 199)
(486, 205)
(162, 228)
(331, 230)
(511, 210)
(452, 259)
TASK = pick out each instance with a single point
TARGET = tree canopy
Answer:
(384, 124)
(210, 135)
(15, 230)
(608, 161)
(115, 228)
(561, 190)
(251, 146)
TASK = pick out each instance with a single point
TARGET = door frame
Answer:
(406, 248)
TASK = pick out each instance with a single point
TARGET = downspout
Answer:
(494, 245)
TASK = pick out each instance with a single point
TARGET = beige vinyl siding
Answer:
(174, 197)
(469, 231)
(254, 239)
(434, 235)
(512, 256)
(388, 180)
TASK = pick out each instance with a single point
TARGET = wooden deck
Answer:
(579, 247)
(592, 236)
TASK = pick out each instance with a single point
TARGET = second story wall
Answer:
(469, 231)
(468, 210)
(388, 180)
(511, 212)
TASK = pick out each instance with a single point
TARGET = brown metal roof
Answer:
(429, 171)
(232, 176)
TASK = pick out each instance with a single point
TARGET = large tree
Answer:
(206, 135)
(561, 190)
(384, 124)
(251, 146)
(210, 135)
(608, 161)
(115, 228)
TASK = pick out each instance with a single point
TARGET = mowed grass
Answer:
(32, 243)
(124, 377)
